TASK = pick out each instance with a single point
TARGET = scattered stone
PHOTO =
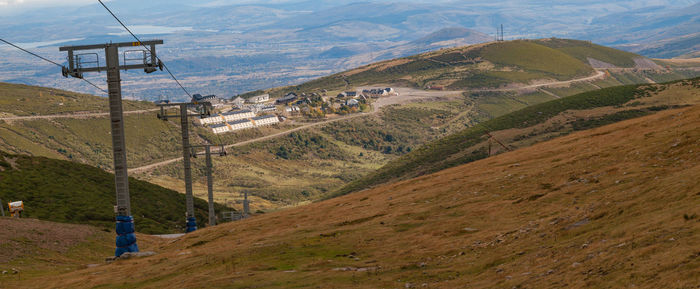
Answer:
(470, 230)
(4, 272)
(462, 253)
(584, 246)
(92, 265)
(130, 255)
(578, 224)
(422, 264)
(408, 285)
(184, 253)
(509, 277)
(672, 239)
(550, 272)
(290, 271)
(499, 270)
(575, 264)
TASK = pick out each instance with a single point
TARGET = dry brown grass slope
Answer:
(612, 207)
(30, 248)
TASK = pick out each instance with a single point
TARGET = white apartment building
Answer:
(240, 124)
(266, 120)
(235, 115)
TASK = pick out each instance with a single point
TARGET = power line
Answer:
(144, 46)
(32, 53)
(95, 86)
(49, 61)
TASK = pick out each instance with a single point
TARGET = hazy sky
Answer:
(35, 3)
(13, 6)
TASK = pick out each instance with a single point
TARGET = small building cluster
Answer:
(251, 112)
(290, 97)
(379, 92)
(230, 116)
(259, 98)
(213, 99)
(244, 124)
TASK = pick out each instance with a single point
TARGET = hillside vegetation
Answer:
(315, 162)
(489, 65)
(610, 207)
(309, 164)
(64, 191)
(545, 120)
(25, 100)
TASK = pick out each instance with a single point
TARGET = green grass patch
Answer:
(582, 50)
(63, 191)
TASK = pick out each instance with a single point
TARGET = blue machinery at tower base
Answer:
(126, 240)
(191, 224)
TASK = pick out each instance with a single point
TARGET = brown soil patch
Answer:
(22, 237)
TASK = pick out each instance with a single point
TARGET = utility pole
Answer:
(184, 123)
(126, 240)
(502, 33)
(2, 208)
(210, 181)
(246, 205)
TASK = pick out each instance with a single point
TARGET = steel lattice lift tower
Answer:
(210, 180)
(126, 240)
(204, 110)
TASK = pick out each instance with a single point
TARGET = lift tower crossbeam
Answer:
(126, 241)
(204, 109)
(210, 181)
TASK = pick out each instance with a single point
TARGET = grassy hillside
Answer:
(307, 165)
(487, 65)
(25, 100)
(611, 207)
(63, 191)
(583, 50)
(561, 117)
(287, 171)
(88, 140)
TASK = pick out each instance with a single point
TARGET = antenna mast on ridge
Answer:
(499, 34)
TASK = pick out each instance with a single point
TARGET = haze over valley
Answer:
(228, 47)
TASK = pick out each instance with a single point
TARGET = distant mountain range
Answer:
(229, 47)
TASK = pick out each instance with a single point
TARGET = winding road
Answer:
(406, 95)
(267, 137)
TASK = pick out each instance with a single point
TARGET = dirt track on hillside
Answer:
(74, 115)
(406, 95)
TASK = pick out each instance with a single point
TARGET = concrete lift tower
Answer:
(210, 180)
(90, 62)
(204, 110)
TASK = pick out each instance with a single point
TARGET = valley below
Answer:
(543, 163)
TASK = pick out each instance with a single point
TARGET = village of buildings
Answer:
(261, 110)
